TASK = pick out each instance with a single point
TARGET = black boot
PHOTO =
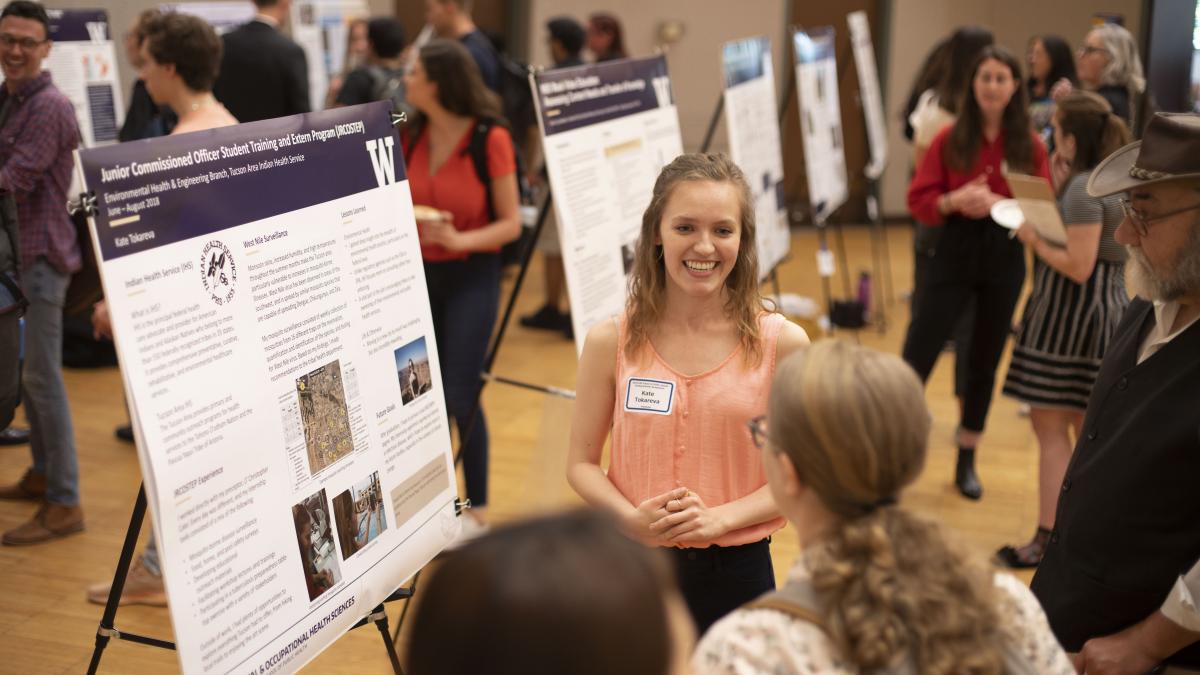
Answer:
(965, 478)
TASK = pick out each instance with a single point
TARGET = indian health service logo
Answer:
(218, 271)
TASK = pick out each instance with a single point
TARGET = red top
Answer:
(456, 187)
(933, 178)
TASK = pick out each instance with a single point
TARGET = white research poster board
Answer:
(869, 92)
(222, 15)
(273, 326)
(322, 29)
(820, 120)
(750, 119)
(83, 63)
(607, 130)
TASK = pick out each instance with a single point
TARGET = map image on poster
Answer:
(323, 412)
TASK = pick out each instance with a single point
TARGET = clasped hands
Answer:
(974, 199)
(677, 516)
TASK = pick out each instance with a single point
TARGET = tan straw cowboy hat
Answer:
(1169, 150)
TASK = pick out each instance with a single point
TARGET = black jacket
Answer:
(1128, 521)
(263, 74)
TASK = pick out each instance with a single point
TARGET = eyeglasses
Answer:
(758, 431)
(1088, 49)
(1141, 222)
(26, 44)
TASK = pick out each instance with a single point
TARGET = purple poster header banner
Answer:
(570, 98)
(78, 25)
(164, 190)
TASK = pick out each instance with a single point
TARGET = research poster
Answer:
(83, 63)
(273, 326)
(607, 130)
(750, 120)
(322, 29)
(820, 120)
(222, 15)
(869, 92)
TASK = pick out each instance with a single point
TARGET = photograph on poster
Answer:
(360, 515)
(323, 413)
(315, 538)
(412, 370)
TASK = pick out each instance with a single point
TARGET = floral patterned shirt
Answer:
(769, 642)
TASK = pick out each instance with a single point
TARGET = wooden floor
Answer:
(46, 626)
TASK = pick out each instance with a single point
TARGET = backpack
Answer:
(516, 97)
(388, 85)
(512, 252)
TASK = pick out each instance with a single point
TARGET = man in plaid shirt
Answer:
(38, 134)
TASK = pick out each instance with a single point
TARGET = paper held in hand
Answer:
(1039, 205)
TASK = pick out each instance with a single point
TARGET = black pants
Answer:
(974, 261)
(719, 579)
(925, 241)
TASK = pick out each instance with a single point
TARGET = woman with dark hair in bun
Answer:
(1077, 300)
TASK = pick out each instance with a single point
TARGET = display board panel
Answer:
(751, 120)
(820, 120)
(607, 130)
(83, 64)
(272, 322)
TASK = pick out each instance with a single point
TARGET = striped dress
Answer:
(1067, 326)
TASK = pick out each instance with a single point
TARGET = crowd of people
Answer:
(669, 570)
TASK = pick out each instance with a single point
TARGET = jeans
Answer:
(975, 261)
(10, 363)
(464, 297)
(716, 580)
(52, 436)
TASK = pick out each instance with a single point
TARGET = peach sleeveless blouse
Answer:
(674, 430)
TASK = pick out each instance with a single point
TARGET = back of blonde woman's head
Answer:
(892, 586)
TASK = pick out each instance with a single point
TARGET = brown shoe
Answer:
(141, 588)
(51, 521)
(31, 487)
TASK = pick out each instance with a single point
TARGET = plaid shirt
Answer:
(36, 157)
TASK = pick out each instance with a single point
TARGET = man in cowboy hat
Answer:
(1120, 580)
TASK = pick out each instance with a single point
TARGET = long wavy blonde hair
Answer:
(648, 281)
(892, 586)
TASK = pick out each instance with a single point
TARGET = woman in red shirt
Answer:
(958, 181)
(461, 249)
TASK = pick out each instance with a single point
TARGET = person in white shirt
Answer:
(876, 589)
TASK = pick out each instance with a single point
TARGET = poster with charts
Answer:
(820, 120)
(753, 127)
(83, 63)
(272, 322)
(607, 130)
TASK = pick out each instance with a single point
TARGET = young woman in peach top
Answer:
(675, 380)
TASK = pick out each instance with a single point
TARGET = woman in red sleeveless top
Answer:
(675, 380)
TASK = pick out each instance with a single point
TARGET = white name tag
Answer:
(649, 396)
